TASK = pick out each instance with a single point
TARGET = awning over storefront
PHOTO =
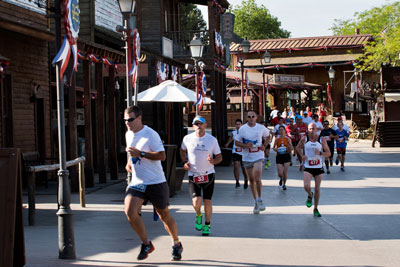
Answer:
(293, 60)
(238, 99)
(392, 97)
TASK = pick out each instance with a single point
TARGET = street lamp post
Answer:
(196, 50)
(245, 45)
(267, 59)
(331, 73)
(127, 8)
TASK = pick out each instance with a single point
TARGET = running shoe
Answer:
(206, 230)
(199, 222)
(280, 181)
(316, 213)
(265, 166)
(328, 171)
(246, 184)
(337, 161)
(342, 169)
(261, 205)
(237, 184)
(284, 187)
(309, 200)
(177, 252)
(269, 163)
(145, 250)
(256, 209)
(155, 215)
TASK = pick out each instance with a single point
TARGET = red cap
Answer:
(340, 118)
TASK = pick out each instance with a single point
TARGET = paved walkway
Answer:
(360, 224)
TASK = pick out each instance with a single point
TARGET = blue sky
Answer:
(308, 18)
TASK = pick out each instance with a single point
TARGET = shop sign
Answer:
(288, 79)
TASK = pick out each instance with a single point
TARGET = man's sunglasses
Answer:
(250, 117)
(129, 120)
(197, 123)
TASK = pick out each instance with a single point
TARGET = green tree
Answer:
(256, 22)
(384, 24)
(191, 17)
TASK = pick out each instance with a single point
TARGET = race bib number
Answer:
(341, 139)
(314, 162)
(138, 187)
(254, 149)
(201, 179)
(282, 150)
(238, 149)
(327, 138)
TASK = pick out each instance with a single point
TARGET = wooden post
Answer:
(100, 129)
(82, 185)
(112, 139)
(31, 182)
(88, 125)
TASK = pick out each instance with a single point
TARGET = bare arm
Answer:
(327, 152)
(186, 164)
(134, 152)
(300, 147)
(230, 139)
(216, 160)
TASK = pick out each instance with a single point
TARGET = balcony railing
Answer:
(181, 40)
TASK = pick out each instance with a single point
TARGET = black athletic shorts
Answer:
(294, 143)
(282, 158)
(331, 149)
(208, 188)
(157, 194)
(341, 151)
(314, 171)
(236, 157)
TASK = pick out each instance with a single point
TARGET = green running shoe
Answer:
(206, 230)
(316, 213)
(266, 166)
(309, 200)
(269, 163)
(199, 222)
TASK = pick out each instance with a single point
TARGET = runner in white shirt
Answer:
(276, 128)
(146, 151)
(237, 156)
(253, 138)
(200, 152)
(306, 119)
(315, 151)
(345, 127)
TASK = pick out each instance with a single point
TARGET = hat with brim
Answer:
(199, 119)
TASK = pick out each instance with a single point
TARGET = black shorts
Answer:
(157, 194)
(314, 171)
(236, 157)
(208, 188)
(294, 143)
(282, 158)
(341, 151)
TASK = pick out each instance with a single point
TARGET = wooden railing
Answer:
(31, 181)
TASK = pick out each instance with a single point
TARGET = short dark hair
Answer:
(315, 116)
(282, 127)
(135, 110)
(238, 120)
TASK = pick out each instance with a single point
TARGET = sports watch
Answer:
(142, 154)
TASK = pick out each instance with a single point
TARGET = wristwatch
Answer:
(142, 154)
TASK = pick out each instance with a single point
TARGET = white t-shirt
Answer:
(307, 120)
(198, 149)
(254, 135)
(236, 149)
(345, 127)
(145, 171)
(274, 113)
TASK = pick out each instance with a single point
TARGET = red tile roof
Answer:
(342, 41)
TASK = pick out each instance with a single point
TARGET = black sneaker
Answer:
(246, 184)
(145, 250)
(280, 181)
(328, 171)
(337, 161)
(284, 187)
(237, 184)
(177, 252)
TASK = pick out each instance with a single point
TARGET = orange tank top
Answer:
(282, 145)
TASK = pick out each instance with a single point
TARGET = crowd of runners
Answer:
(304, 137)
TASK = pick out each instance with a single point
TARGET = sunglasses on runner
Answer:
(129, 120)
(197, 123)
(250, 117)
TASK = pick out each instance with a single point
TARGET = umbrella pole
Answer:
(169, 122)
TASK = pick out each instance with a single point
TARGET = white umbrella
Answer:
(170, 91)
